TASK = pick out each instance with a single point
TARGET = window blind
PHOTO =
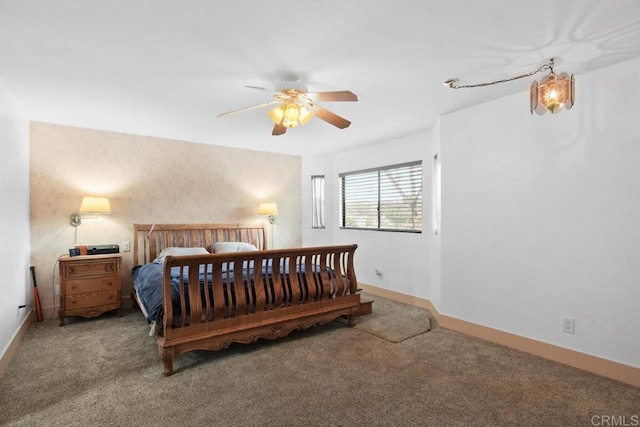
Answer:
(387, 198)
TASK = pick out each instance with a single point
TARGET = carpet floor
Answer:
(393, 321)
(107, 371)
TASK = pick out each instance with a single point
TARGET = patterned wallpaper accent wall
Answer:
(147, 180)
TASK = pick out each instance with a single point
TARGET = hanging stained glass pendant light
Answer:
(554, 93)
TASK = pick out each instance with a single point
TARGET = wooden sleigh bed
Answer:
(208, 301)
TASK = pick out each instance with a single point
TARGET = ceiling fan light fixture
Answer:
(276, 114)
(291, 112)
(293, 106)
(290, 115)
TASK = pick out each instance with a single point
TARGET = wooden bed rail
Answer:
(244, 296)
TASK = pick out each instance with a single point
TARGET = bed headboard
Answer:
(150, 239)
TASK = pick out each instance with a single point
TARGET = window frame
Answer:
(318, 212)
(379, 170)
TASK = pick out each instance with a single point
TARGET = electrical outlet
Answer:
(568, 324)
(126, 246)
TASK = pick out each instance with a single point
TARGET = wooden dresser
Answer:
(90, 285)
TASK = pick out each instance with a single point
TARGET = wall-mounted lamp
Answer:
(554, 93)
(89, 208)
(270, 209)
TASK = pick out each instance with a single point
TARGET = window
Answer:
(437, 194)
(387, 198)
(317, 201)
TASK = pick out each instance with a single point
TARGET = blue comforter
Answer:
(147, 281)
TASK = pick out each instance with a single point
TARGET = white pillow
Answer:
(179, 251)
(220, 247)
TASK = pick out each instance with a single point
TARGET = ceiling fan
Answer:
(295, 106)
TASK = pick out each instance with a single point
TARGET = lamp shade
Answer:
(269, 208)
(95, 205)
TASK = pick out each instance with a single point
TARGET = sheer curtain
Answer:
(317, 201)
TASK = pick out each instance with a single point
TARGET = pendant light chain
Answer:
(452, 83)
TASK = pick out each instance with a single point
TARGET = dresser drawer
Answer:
(105, 283)
(91, 299)
(89, 268)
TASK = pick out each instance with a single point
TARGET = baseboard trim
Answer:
(597, 365)
(5, 359)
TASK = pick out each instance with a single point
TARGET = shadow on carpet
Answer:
(393, 321)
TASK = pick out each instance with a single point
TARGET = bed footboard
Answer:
(211, 301)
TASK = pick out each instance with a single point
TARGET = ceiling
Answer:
(166, 68)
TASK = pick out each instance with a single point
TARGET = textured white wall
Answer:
(403, 258)
(15, 286)
(541, 217)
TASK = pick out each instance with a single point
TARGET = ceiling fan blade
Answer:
(278, 129)
(253, 107)
(340, 95)
(328, 116)
(262, 89)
